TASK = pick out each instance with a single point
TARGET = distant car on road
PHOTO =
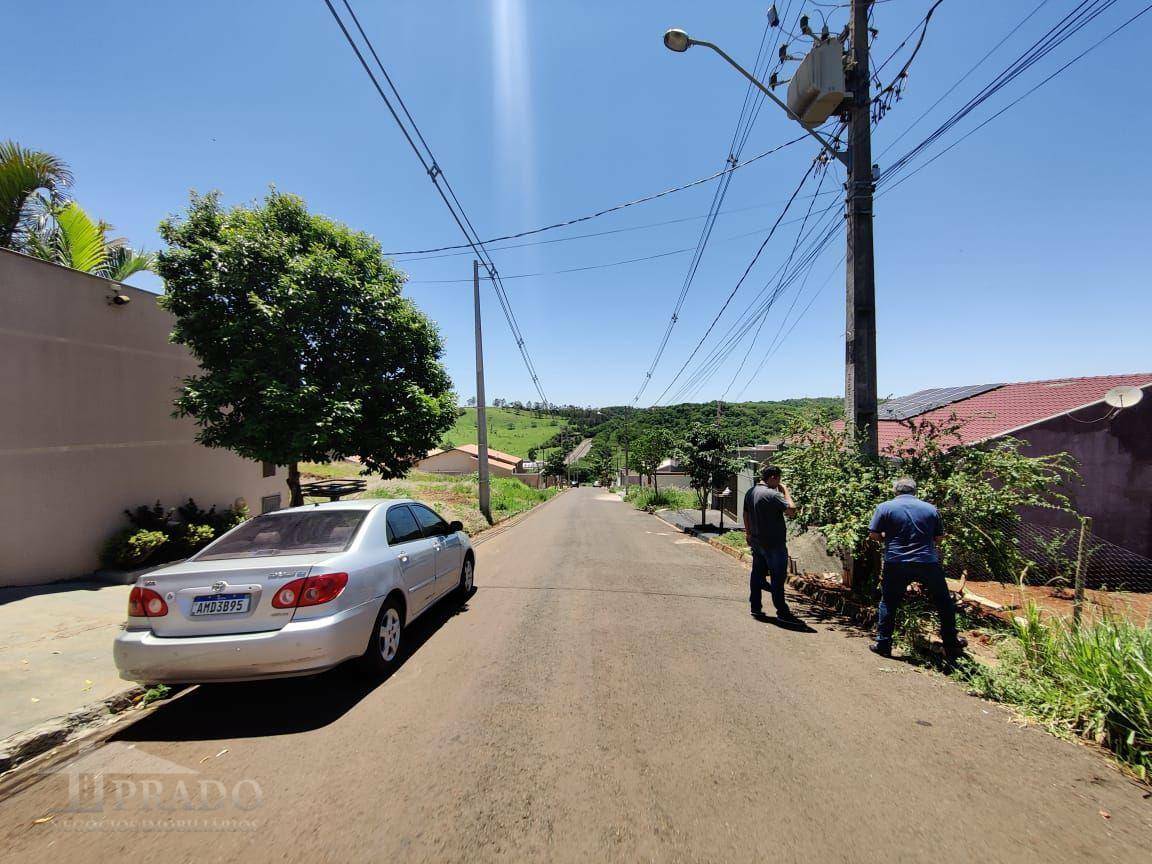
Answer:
(575, 483)
(295, 592)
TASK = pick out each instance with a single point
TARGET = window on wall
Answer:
(268, 468)
(269, 503)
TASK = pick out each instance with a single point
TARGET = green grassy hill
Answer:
(509, 430)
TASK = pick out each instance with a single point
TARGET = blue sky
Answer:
(1020, 254)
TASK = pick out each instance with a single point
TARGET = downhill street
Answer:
(604, 695)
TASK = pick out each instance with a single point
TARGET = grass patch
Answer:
(331, 470)
(509, 430)
(457, 497)
(1094, 681)
(644, 498)
(734, 539)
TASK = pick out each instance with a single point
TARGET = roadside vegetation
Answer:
(456, 497)
(1092, 681)
(645, 498)
(510, 430)
(734, 539)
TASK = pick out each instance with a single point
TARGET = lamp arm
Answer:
(838, 154)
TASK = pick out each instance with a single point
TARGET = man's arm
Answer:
(789, 504)
(876, 526)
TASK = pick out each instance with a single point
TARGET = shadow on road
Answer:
(256, 709)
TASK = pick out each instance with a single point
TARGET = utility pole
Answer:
(481, 415)
(860, 273)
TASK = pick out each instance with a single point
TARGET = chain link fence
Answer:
(1054, 558)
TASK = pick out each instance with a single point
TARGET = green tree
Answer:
(31, 182)
(647, 452)
(554, 465)
(704, 455)
(600, 462)
(308, 349)
(978, 489)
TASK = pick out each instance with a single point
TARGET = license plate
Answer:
(220, 604)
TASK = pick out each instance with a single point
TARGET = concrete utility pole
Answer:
(481, 415)
(860, 273)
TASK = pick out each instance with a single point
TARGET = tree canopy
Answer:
(308, 350)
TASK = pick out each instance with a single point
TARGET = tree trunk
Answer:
(296, 498)
(655, 484)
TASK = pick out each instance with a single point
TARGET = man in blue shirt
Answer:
(909, 529)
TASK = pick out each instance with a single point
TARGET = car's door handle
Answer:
(403, 559)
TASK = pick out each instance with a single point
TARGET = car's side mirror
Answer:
(455, 525)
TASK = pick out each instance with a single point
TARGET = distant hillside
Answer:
(747, 422)
(509, 429)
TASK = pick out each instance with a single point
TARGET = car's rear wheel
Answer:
(383, 651)
(467, 577)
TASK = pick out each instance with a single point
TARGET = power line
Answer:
(565, 223)
(739, 137)
(1024, 96)
(740, 281)
(436, 173)
(1059, 33)
(608, 232)
(602, 266)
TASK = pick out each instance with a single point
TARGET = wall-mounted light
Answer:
(119, 299)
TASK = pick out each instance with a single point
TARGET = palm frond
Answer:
(123, 262)
(80, 240)
(23, 172)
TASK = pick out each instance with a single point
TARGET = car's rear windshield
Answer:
(298, 533)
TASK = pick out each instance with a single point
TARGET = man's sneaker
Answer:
(759, 615)
(787, 617)
(881, 648)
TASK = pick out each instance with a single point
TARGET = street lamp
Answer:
(679, 41)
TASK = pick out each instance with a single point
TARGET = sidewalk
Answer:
(56, 650)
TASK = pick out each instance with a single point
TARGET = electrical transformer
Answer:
(817, 87)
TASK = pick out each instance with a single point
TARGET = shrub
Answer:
(647, 499)
(157, 535)
(130, 548)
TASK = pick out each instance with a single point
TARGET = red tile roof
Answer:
(1011, 407)
(493, 455)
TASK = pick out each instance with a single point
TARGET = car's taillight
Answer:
(322, 589)
(289, 594)
(310, 591)
(146, 603)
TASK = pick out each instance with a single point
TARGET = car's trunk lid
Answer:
(228, 596)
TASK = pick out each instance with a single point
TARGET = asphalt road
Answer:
(603, 695)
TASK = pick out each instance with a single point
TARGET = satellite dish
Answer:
(1124, 396)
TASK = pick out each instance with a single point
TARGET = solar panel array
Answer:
(904, 407)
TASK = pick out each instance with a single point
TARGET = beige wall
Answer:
(86, 392)
(459, 462)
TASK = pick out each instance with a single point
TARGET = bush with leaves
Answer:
(979, 489)
(158, 534)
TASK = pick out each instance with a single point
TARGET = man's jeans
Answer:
(772, 562)
(895, 582)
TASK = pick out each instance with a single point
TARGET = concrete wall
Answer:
(1115, 459)
(86, 391)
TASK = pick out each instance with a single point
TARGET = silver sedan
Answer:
(295, 592)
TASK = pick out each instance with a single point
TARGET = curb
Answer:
(85, 725)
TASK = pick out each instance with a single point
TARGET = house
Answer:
(1113, 447)
(465, 459)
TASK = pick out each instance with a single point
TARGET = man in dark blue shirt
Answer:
(909, 529)
(765, 506)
